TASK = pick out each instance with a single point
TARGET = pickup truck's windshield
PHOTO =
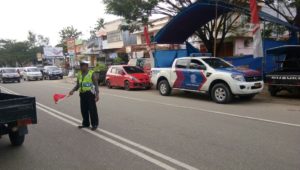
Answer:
(217, 63)
(132, 70)
(9, 71)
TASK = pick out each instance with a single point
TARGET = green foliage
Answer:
(131, 10)
(21, 53)
(69, 32)
(100, 67)
(118, 60)
(271, 29)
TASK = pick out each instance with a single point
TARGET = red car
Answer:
(128, 77)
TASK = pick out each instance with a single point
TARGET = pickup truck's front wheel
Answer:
(221, 93)
(164, 88)
(16, 139)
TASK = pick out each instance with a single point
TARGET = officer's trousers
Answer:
(89, 109)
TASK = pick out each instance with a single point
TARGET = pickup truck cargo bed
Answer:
(15, 107)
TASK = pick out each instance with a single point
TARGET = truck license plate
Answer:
(257, 85)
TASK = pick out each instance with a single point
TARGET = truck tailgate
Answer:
(14, 107)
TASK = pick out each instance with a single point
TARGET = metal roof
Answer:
(197, 15)
(284, 50)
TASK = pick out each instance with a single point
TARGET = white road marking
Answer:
(63, 116)
(158, 154)
(111, 141)
(206, 110)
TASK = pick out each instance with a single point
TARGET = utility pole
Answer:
(216, 30)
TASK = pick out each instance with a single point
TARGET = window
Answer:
(132, 70)
(196, 65)
(182, 64)
(114, 70)
(9, 71)
(114, 36)
(217, 63)
(33, 70)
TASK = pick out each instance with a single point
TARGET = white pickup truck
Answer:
(221, 80)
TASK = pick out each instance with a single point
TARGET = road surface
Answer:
(143, 130)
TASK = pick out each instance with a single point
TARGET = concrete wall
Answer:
(243, 46)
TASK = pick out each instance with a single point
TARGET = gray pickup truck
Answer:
(16, 112)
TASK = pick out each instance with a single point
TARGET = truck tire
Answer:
(16, 139)
(273, 90)
(221, 93)
(164, 88)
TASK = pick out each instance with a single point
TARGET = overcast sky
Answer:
(48, 17)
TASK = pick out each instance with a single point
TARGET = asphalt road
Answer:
(143, 130)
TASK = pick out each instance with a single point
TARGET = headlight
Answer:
(238, 77)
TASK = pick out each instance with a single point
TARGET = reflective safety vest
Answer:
(86, 82)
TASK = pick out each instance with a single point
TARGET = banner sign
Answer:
(53, 52)
(39, 56)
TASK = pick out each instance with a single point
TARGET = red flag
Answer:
(257, 40)
(146, 34)
(58, 97)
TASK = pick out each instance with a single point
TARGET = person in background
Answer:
(87, 84)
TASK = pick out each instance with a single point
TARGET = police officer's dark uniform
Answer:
(87, 85)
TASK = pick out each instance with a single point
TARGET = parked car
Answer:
(214, 76)
(32, 73)
(16, 112)
(52, 72)
(128, 77)
(287, 75)
(9, 75)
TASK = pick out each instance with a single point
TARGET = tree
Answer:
(99, 24)
(137, 12)
(13, 52)
(69, 32)
(287, 9)
(31, 38)
(37, 40)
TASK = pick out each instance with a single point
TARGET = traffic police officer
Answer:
(87, 85)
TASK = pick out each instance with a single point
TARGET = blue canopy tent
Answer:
(197, 15)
